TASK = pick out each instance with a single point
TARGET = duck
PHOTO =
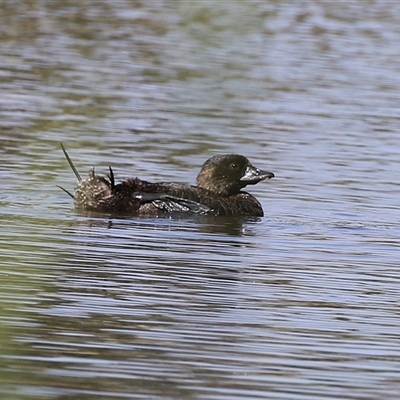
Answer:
(218, 191)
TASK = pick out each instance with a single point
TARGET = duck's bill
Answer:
(254, 175)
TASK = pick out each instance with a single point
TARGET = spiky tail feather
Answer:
(71, 164)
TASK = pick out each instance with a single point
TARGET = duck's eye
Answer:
(234, 166)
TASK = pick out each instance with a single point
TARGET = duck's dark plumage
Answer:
(218, 191)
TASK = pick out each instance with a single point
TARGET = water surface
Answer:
(300, 304)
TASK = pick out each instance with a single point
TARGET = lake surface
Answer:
(300, 304)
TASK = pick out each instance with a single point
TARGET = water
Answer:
(300, 304)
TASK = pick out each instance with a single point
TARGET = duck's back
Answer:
(241, 203)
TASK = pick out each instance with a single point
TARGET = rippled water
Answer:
(300, 304)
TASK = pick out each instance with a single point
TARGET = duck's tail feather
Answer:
(71, 164)
(111, 177)
(66, 191)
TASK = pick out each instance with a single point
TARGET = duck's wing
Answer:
(169, 203)
(177, 204)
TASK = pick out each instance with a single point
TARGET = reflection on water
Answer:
(299, 304)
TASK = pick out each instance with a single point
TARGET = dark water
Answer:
(300, 304)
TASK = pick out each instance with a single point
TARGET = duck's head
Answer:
(228, 174)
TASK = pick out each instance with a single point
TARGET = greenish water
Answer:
(300, 304)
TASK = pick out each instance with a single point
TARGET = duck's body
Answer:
(218, 191)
